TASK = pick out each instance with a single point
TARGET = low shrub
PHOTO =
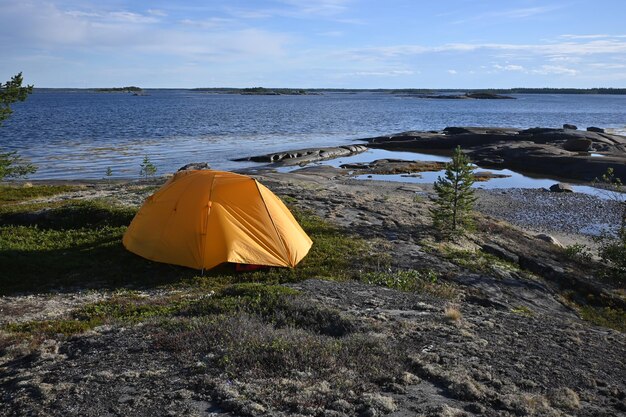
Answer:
(578, 252)
(422, 281)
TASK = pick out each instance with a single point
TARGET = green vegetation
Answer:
(271, 91)
(108, 172)
(10, 92)
(478, 261)
(578, 252)
(148, 169)
(48, 328)
(11, 164)
(10, 194)
(612, 249)
(523, 311)
(420, 91)
(515, 91)
(613, 253)
(613, 318)
(424, 281)
(77, 243)
(455, 198)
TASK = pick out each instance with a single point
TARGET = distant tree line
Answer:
(130, 89)
(416, 91)
(517, 91)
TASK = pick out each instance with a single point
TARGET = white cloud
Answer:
(607, 66)
(333, 10)
(509, 67)
(451, 71)
(211, 23)
(47, 28)
(593, 36)
(117, 16)
(319, 7)
(389, 73)
(555, 69)
(520, 13)
(157, 12)
(609, 46)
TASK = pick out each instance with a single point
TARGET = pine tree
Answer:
(11, 164)
(148, 169)
(455, 197)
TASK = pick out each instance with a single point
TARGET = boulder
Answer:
(577, 145)
(550, 239)
(483, 176)
(595, 129)
(569, 127)
(454, 130)
(561, 188)
(194, 166)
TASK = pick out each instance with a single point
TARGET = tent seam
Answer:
(273, 224)
(206, 225)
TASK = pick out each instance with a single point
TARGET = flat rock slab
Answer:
(306, 156)
(545, 151)
(394, 167)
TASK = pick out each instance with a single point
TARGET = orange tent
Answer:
(201, 219)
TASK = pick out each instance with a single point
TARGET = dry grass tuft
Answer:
(564, 398)
(452, 313)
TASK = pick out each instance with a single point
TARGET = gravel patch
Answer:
(549, 212)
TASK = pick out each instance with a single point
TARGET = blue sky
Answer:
(307, 43)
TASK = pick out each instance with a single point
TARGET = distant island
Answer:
(273, 92)
(488, 91)
(466, 96)
(131, 89)
(260, 91)
(472, 93)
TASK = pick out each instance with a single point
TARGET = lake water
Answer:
(78, 134)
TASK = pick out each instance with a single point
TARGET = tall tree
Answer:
(455, 197)
(10, 92)
(11, 164)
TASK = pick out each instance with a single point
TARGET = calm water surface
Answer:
(78, 134)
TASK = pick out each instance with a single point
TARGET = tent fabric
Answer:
(203, 218)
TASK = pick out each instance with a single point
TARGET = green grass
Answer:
(129, 309)
(422, 281)
(12, 194)
(77, 244)
(72, 244)
(477, 261)
(49, 328)
(260, 299)
(523, 311)
(613, 318)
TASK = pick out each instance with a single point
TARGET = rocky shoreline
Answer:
(496, 323)
(567, 153)
(563, 153)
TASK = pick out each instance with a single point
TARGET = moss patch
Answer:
(71, 244)
(422, 281)
(613, 318)
(477, 261)
(13, 194)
